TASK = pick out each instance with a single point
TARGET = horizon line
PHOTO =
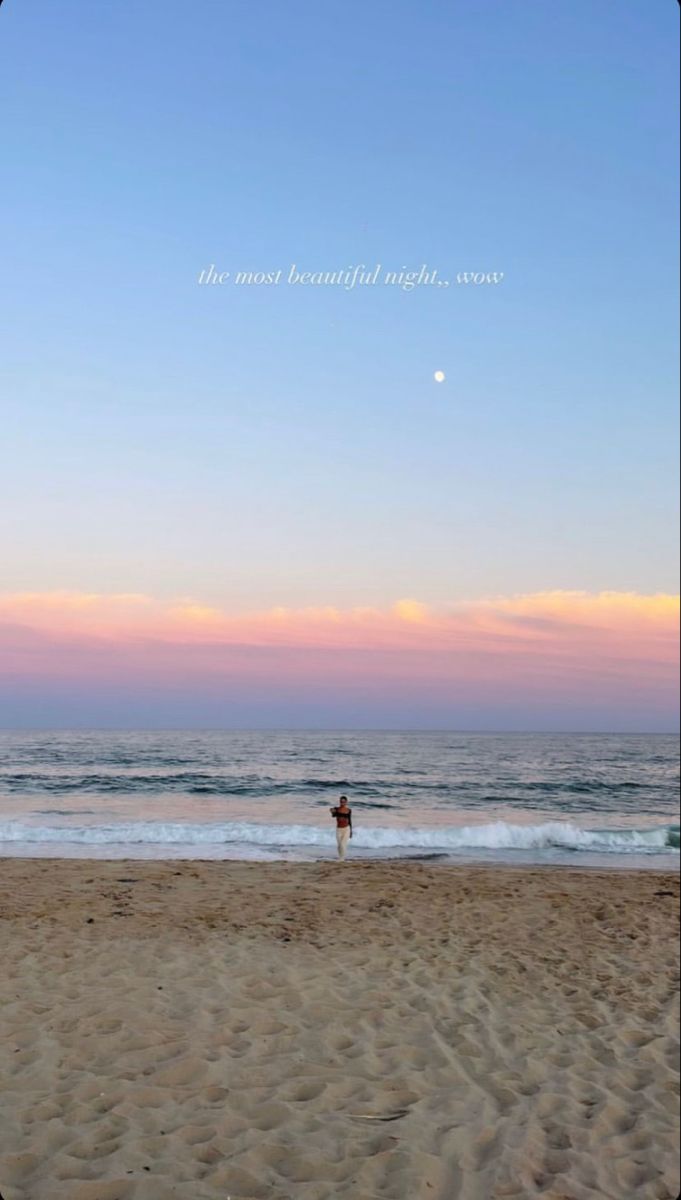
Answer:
(337, 729)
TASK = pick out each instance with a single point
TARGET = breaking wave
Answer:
(499, 835)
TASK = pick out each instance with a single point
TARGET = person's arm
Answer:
(350, 821)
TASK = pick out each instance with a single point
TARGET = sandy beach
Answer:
(301, 1032)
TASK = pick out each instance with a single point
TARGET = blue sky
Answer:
(251, 448)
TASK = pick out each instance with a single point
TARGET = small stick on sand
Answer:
(371, 1117)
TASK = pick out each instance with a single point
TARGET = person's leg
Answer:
(342, 838)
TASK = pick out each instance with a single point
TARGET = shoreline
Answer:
(366, 1031)
(438, 860)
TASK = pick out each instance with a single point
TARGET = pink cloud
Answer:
(552, 643)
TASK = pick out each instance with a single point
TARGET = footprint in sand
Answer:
(306, 1090)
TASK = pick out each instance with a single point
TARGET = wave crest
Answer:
(499, 835)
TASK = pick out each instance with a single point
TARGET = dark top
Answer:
(343, 819)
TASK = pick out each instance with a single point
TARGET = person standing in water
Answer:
(342, 815)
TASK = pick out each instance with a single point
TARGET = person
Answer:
(342, 815)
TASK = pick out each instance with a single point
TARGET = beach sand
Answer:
(279, 1031)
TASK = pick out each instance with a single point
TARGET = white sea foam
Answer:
(499, 835)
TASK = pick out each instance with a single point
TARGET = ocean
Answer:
(579, 799)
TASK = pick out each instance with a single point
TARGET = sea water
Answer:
(579, 799)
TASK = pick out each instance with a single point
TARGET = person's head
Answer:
(343, 801)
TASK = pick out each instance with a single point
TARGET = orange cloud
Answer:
(532, 623)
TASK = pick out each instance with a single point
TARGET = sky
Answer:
(253, 505)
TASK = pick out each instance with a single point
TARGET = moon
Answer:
(439, 376)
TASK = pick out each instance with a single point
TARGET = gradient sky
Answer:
(244, 461)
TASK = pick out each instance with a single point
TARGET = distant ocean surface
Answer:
(587, 800)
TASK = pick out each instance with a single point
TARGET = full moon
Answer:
(439, 376)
